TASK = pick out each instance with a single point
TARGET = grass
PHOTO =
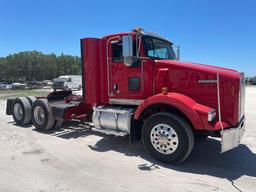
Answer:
(5, 94)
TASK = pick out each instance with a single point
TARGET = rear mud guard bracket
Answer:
(9, 107)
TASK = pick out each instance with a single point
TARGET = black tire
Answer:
(183, 133)
(45, 123)
(31, 100)
(21, 109)
(57, 124)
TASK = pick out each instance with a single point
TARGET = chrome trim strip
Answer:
(109, 74)
(125, 101)
(117, 111)
(218, 95)
(241, 103)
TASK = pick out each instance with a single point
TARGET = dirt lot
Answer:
(73, 159)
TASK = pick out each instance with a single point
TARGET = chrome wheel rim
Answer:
(18, 112)
(39, 115)
(164, 139)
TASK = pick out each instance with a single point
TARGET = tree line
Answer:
(36, 66)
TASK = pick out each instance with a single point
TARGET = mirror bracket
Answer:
(132, 61)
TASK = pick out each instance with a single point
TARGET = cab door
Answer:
(134, 82)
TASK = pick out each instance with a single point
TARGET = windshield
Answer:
(158, 49)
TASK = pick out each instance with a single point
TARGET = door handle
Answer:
(116, 87)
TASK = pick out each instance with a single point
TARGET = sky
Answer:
(215, 32)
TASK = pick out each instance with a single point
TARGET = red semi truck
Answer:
(133, 84)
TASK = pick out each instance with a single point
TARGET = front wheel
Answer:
(167, 137)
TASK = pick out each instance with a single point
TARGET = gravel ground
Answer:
(74, 159)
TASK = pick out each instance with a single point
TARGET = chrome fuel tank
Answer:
(114, 118)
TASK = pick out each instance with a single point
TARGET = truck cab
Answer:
(136, 86)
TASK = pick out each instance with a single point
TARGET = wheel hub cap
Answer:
(18, 111)
(39, 115)
(164, 138)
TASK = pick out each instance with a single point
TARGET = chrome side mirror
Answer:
(127, 46)
(127, 50)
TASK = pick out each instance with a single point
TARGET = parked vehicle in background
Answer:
(251, 80)
(19, 86)
(67, 82)
(34, 85)
(47, 82)
(5, 86)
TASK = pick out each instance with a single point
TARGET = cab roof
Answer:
(134, 31)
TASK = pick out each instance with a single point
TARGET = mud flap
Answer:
(9, 107)
(135, 130)
(58, 111)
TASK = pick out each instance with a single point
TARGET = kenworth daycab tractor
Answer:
(134, 85)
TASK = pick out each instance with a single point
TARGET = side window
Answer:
(117, 52)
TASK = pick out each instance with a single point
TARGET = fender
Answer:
(197, 113)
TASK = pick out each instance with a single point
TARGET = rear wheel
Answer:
(167, 137)
(21, 108)
(42, 116)
(57, 124)
(31, 100)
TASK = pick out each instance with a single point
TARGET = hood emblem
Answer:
(205, 81)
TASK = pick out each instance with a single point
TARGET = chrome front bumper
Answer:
(230, 138)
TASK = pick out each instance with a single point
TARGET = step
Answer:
(109, 132)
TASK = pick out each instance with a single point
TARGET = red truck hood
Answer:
(190, 79)
(199, 67)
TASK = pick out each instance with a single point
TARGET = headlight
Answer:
(211, 115)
